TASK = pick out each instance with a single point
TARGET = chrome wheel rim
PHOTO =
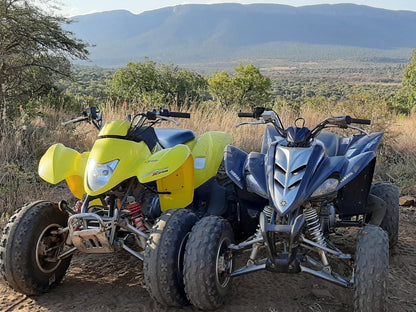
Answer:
(48, 248)
(224, 263)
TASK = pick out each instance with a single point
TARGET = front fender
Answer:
(177, 189)
(235, 160)
(355, 165)
(173, 171)
(63, 163)
(163, 163)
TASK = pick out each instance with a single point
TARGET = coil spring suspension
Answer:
(314, 226)
(268, 211)
(136, 216)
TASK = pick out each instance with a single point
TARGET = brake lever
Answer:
(359, 129)
(168, 119)
(250, 123)
(78, 119)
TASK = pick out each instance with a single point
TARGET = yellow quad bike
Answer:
(133, 173)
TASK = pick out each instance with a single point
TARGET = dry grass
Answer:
(24, 142)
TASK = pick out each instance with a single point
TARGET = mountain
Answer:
(202, 33)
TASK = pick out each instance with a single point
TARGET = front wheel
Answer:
(371, 270)
(163, 257)
(390, 194)
(208, 263)
(29, 248)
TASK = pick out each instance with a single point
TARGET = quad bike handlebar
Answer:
(361, 121)
(75, 120)
(152, 115)
(266, 115)
(249, 115)
(91, 115)
(344, 121)
(175, 114)
(164, 114)
(257, 112)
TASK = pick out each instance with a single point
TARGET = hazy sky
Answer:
(78, 7)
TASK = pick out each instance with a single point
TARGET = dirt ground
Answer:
(115, 283)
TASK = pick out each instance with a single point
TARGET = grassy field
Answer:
(24, 142)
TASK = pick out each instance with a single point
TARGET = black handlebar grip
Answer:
(241, 114)
(179, 115)
(361, 121)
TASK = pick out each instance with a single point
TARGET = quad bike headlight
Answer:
(98, 175)
(329, 186)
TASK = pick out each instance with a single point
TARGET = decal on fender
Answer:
(157, 172)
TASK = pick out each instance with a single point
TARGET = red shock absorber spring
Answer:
(78, 206)
(136, 216)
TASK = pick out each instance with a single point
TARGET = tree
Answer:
(35, 51)
(222, 89)
(407, 95)
(248, 87)
(154, 84)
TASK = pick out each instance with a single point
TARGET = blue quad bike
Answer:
(307, 185)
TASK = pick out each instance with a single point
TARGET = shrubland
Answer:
(39, 88)
(25, 139)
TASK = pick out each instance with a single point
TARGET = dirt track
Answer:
(115, 283)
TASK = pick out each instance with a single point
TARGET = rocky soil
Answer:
(115, 283)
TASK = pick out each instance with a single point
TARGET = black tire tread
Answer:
(16, 248)
(390, 194)
(371, 270)
(161, 254)
(200, 263)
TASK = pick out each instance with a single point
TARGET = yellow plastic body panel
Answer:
(163, 163)
(177, 170)
(76, 185)
(116, 127)
(208, 152)
(180, 184)
(129, 153)
(62, 163)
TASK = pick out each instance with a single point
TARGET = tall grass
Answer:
(24, 141)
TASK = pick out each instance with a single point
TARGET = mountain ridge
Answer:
(197, 32)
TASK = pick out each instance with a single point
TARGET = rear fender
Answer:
(208, 153)
(62, 163)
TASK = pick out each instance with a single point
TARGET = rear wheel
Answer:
(208, 263)
(163, 257)
(390, 194)
(29, 248)
(371, 270)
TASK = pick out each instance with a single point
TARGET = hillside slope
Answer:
(189, 33)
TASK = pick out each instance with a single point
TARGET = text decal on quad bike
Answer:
(157, 172)
(235, 175)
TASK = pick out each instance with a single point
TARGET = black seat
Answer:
(169, 137)
(330, 141)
